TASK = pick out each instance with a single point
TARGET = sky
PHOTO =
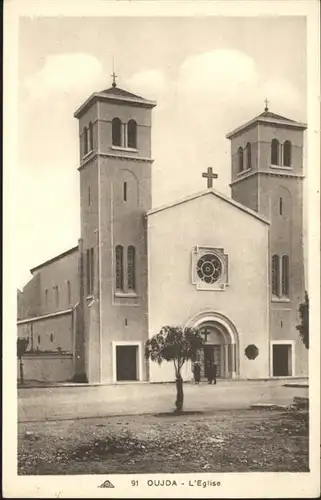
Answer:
(207, 74)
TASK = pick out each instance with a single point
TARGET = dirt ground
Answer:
(225, 441)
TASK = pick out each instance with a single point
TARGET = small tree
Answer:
(22, 345)
(177, 344)
(304, 316)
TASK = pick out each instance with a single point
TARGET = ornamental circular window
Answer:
(209, 268)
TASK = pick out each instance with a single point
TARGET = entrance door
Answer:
(282, 360)
(126, 362)
(212, 353)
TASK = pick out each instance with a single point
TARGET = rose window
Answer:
(209, 268)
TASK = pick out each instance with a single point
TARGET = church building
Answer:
(231, 266)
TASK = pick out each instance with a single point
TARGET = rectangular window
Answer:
(281, 206)
(51, 337)
(89, 200)
(38, 339)
(125, 191)
(46, 297)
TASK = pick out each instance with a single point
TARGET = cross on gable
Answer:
(266, 105)
(114, 76)
(209, 175)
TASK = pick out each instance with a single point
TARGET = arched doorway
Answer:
(217, 349)
(221, 344)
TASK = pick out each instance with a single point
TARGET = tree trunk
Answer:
(179, 393)
(21, 371)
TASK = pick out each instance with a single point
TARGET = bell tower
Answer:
(115, 194)
(267, 176)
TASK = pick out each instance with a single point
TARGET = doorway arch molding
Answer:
(223, 324)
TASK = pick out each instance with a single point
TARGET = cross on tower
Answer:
(209, 176)
(266, 105)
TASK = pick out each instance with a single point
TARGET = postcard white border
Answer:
(237, 485)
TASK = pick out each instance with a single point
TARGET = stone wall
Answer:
(47, 367)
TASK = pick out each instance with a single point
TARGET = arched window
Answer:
(287, 154)
(131, 268)
(275, 275)
(281, 206)
(85, 141)
(240, 159)
(275, 152)
(116, 132)
(248, 156)
(119, 268)
(132, 134)
(91, 136)
(285, 275)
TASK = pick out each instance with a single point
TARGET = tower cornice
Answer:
(130, 100)
(126, 157)
(93, 156)
(267, 119)
(270, 174)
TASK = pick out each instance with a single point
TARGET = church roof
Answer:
(117, 95)
(267, 117)
(117, 91)
(269, 114)
(53, 259)
(208, 192)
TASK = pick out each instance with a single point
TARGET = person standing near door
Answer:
(197, 372)
(210, 372)
(214, 368)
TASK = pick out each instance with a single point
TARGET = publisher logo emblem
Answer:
(106, 484)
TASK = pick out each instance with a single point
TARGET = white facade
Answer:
(235, 308)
